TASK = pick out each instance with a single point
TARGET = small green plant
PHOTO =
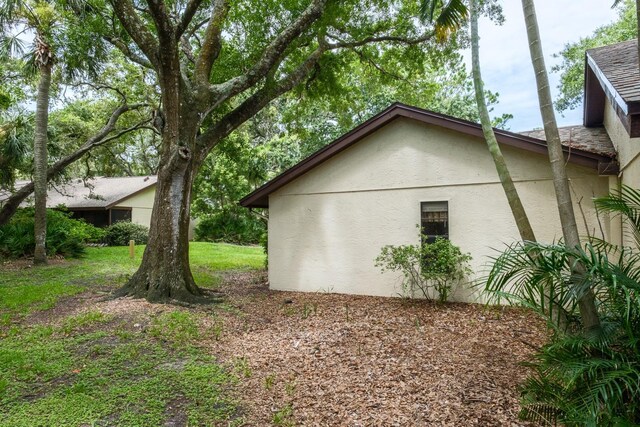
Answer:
(290, 388)
(217, 329)
(241, 366)
(309, 309)
(433, 270)
(284, 416)
(120, 233)
(269, 381)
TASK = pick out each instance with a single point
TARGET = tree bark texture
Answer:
(517, 209)
(40, 164)
(164, 273)
(570, 233)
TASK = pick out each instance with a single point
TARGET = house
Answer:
(330, 214)
(102, 201)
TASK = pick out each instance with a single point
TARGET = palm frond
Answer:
(447, 17)
(625, 203)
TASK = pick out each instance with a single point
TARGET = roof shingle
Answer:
(592, 139)
(619, 65)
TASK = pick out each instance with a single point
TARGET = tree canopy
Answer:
(571, 68)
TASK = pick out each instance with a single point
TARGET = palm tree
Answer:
(451, 17)
(588, 378)
(38, 17)
(43, 19)
(517, 209)
(587, 306)
(447, 17)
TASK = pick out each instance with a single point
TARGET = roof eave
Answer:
(259, 198)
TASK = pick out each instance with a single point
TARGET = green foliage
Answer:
(433, 269)
(232, 224)
(120, 233)
(65, 236)
(572, 65)
(625, 203)
(578, 378)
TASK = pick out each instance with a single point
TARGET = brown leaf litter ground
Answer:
(320, 359)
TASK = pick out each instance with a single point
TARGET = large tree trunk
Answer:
(587, 306)
(40, 163)
(165, 273)
(517, 209)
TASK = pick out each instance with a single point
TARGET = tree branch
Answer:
(102, 137)
(257, 102)
(341, 44)
(164, 26)
(211, 44)
(187, 16)
(136, 29)
(273, 52)
(127, 51)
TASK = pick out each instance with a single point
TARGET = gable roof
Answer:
(618, 63)
(94, 193)
(99, 192)
(603, 163)
(612, 72)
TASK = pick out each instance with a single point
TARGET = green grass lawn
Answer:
(99, 369)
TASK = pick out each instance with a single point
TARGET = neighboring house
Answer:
(330, 215)
(103, 201)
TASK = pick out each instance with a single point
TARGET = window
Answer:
(434, 220)
(118, 215)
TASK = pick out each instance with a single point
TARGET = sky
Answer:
(506, 64)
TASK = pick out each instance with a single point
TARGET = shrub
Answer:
(120, 233)
(579, 377)
(232, 224)
(432, 269)
(65, 236)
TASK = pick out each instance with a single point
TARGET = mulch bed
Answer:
(367, 361)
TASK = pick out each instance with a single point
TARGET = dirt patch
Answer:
(26, 263)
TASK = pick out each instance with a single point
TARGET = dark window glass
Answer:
(118, 215)
(434, 220)
(97, 218)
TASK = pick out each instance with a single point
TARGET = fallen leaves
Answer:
(356, 361)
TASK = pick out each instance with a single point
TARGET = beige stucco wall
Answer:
(327, 227)
(629, 157)
(141, 205)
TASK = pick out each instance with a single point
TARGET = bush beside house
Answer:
(65, 236)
